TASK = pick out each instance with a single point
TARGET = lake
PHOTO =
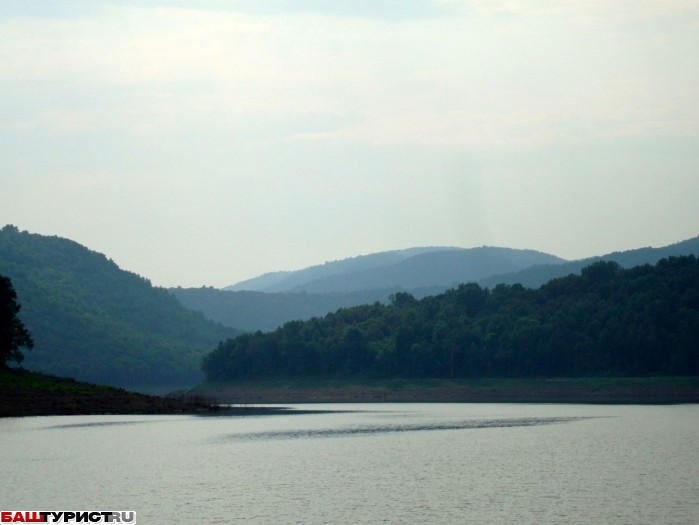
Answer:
(366, 463)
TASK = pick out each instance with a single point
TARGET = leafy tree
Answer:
(13, 334)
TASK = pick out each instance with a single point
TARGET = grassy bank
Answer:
(25, 393)
(607, 390)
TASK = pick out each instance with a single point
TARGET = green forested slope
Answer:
(94, 322)
(607, 321)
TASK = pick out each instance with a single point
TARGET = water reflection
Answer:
(393, 428)
(98, 424)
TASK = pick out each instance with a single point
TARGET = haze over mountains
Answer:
(406, 269)
(268, 301)
(318, 290)
(285, 281)
(252, 311)
(93, 321)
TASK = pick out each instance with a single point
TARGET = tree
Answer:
(13, 334)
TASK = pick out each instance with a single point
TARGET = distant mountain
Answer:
(286, 281)
(441, 268)
(262, 282)
(351, 282)
(404, 269)
(537, 275)
(252, 311)
(94, 322)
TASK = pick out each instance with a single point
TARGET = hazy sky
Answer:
(205, 142)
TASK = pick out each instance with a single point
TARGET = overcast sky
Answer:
(206, 142)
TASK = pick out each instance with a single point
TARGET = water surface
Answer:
(374, 463)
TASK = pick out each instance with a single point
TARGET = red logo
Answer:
(68, 516)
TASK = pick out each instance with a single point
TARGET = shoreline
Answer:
(656, 391)
(25, 394)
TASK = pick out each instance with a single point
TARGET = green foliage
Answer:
(607, 321)
(13, 334)
(95, 322)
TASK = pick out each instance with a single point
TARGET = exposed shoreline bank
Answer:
(25, 394)
(29, 394)
(585, 391)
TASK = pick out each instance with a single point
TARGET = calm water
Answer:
(439, 463)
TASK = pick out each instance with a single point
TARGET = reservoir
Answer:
(365, 463)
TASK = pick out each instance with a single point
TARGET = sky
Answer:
(206, 142)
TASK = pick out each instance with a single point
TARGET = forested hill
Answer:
(94, 322)
(606, 321)
(536, 275)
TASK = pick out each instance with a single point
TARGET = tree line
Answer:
(606, 321)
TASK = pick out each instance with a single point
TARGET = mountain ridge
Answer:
(93, 321)
(441, 268)
(266, 311)
(538, 275)
(282, 281)
(409, 268)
